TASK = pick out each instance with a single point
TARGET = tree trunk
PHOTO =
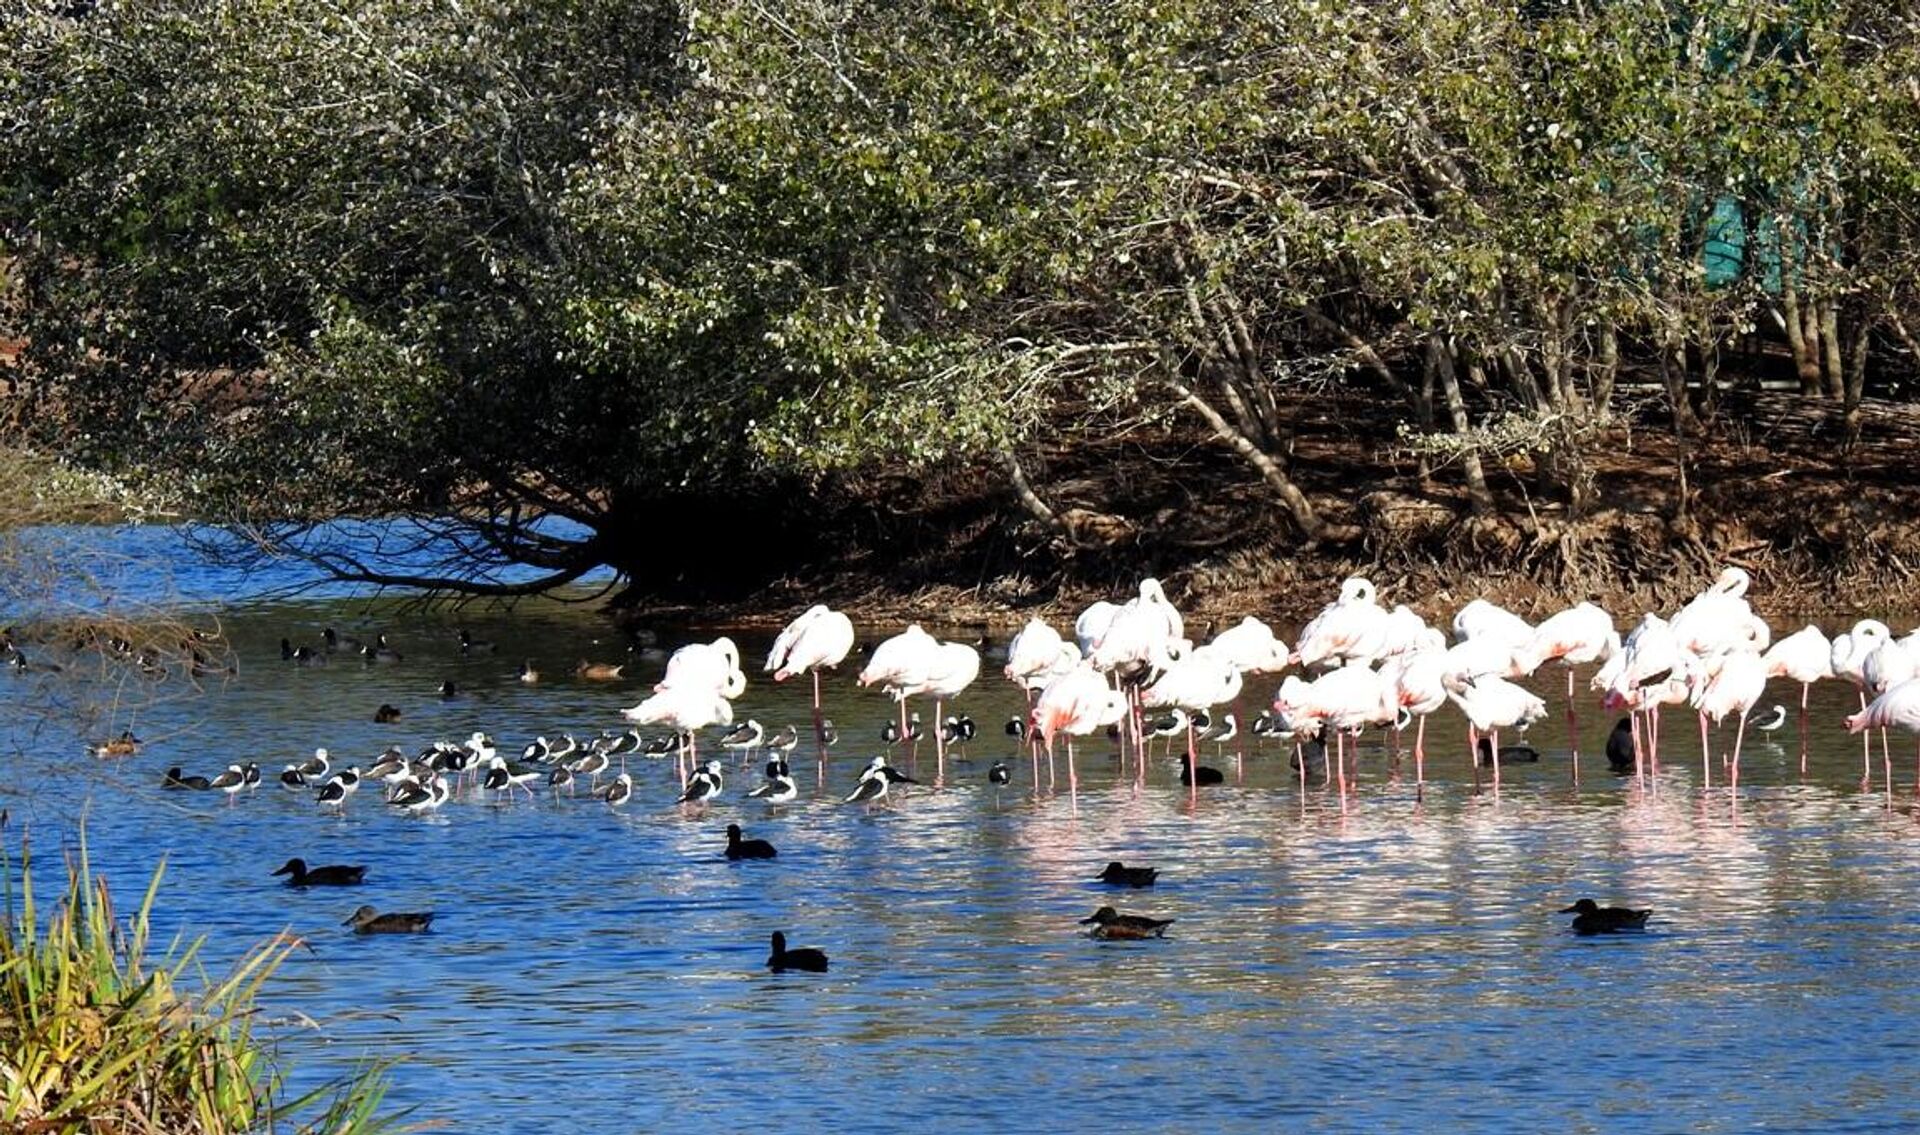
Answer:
(1606, 369)
(1479, 497)
(1030, 500)
(1806, 358)
(1296, 502)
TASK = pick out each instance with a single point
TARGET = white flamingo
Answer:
(1352, 627)
(1805, 656)
(1492, 703)
(1738, 680)
(820, 638)
(1076, 703)
(902, 663)
(1578, 636)
(1202, 680)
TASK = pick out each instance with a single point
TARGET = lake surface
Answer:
(1396, 965)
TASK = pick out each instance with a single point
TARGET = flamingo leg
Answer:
(1804, 688)
(1706, 773)
(1573, 730)
(819, 722)
(1496, 762)
(1073, 779)
(939, 743)
(1473, 752)
(1193, 767)
(1866, 746)
(1420, 759)
(1733, 778)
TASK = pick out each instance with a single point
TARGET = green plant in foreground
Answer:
(96, 1037)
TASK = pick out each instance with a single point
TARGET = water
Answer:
(594, 970)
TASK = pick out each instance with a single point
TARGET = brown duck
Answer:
(367, 921)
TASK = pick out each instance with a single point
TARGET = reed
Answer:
(96, 1036)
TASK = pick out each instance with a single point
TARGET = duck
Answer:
(387, 714)
(804, 958)
(599, 671)
(780, 786)
(300, 655)
(368, 921)
(1521, 754)
(379, 651)
(528, 674)
(334, 876)
(472, 645)
(738, 848)
(1122, 875)
(1109, 923)
(174, 779)
(125, 745)
(1204, 774)
(332, 640)
(1590, 917)
(1620, 748)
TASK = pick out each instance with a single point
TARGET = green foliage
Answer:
(96, 1037)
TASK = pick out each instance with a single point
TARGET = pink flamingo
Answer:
(1350, 628)
(1898, 707)
(1417, 681)
(1348, 698)
(1805, 656)
(1076, 703)
(1491, 704)
(684, 709)
(1036, 655)
(1734, 687)
(1201, 680)
(902, 663)
(1577, 636)
(819, 638)
(954, 667)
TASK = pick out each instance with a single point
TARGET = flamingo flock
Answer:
(1357, 666)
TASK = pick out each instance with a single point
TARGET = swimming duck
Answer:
(1205, 774)
(300, 655)
(367, 921)
(125, 745)
(527, 673)
(333, 640)
(173, 779)
(1590, 917)
(598, 671)
(738, 848)
(1109, 923)
(804, 958)
(472, 645)
(379, 651)
(1522, 754)
(386, 714)
(449, 691)
(334, 876)
(1121, 875)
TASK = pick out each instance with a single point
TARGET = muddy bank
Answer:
(1823, 513)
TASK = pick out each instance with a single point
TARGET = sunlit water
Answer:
(1395, 965)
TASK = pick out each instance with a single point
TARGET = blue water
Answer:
(1397, 965)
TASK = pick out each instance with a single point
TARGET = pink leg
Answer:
(819, 722)
(1866, 747)
(1733, 779)
(1573, 730)
(1706, 773)
(1473, 753)
(1420, 759)
(1073, 779)
(1804, 687)
(939, 743)
(1496, 762)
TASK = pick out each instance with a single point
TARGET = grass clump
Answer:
(96, 1037)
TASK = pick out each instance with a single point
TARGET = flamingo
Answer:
(686, 710)
(1577, 636)
(1405, 632)
(1037, 654)
(1737, 683)
(1719, 620)
(1481, 619)
(1849, 657)
(1351, 627)
(1202, 680)
(1076, 703)
(1805, 656)
(1348, 698)
(953, 668)
(1417, 680)
(820, 637)
(1898, 707)
(698, 675)
(1252, 647)
(900, 663)
(1491, 704)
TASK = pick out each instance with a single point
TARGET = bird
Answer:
(703, 785)
(1590, 917)
(333, 640)
(598, 671)
(783, 740)
(744, 737)
(804, 958)
(379, 651)
(1111, 924)
(1523, 753)
(738, 848)
(875, 780)
(386, 714)
(417, 799)
(367, 921)
(1192, 776)
(829, 736)
(527, 673)
(1352, 627)
(501, 777)
(780, 786)
(230, 781)
(174, 779)
(1037, 655)
(1491, 703)
(820, 638)
(125, 745)
(1778, 718)
(472, 645)
(1122, 875)
(449, 691)
(298, 655)
(1620, 747)
(300, 875)
(999, 774)
(891, 733)
(617, 792)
